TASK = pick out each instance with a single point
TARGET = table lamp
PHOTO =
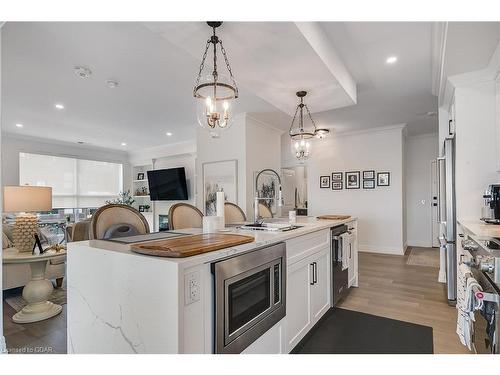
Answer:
(26, 200)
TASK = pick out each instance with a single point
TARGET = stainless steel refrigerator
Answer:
(447, 215)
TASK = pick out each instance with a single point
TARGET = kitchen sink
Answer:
(270, 227)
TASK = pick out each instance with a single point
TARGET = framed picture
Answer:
(140, 176)
(368, 175)
(352, 180)
(142, 208)
(337, 176)
(219, 176)
(368, 184)
(324, 182)
(383, 179)
(337, 185)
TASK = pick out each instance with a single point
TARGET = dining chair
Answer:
(233, 213)
(111, 220)
(183, 215)
(264, 211)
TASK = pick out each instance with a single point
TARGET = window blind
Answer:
(76, 183)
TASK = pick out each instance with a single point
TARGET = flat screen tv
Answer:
(168, 184)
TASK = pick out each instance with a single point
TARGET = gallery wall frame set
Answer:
(353, 180)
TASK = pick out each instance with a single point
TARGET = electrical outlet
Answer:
(192, 287)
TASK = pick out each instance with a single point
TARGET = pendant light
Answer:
(215, 93)
(302, 133)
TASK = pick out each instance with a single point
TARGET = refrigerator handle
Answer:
(438, 165)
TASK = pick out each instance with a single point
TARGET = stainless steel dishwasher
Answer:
(340, 278)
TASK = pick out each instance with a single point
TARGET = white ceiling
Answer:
(154, 95)
(156, 65)
(387, 94)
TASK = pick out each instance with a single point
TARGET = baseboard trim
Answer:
(381, 250)
(3, 345)
(419, 243)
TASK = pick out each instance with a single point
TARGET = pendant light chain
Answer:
(223, 50)
(202, 65)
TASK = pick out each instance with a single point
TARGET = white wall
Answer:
(420, 151)
(12, 145)
(379, 211)
(475, 147)
(231, 145)
(254, 144)
(263, 150)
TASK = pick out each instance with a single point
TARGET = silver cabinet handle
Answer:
(438, 165)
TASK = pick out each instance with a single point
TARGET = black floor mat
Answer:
(350, 332)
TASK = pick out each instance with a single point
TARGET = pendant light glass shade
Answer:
(303, 129)
(215, 112)
(215, 93)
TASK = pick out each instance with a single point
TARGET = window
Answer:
(75, 182)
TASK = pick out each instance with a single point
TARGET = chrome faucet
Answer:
(257, 219)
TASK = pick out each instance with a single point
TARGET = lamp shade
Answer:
(27, 198)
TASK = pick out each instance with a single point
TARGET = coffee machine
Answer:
(492, 205)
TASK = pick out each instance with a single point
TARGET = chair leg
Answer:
(59, 282)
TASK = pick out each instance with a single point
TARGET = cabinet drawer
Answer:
(303, 246)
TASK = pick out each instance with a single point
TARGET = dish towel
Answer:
(467, 303)
(346, 249)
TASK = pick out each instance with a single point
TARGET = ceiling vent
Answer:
(83, 72)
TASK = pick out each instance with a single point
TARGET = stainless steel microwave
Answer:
(250, 292)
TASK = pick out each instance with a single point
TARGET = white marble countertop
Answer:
(480, 228)
(262, 238)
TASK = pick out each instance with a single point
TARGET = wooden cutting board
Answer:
(334, 217)
(187, 246)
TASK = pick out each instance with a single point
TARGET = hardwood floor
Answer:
(390, 288)
(45, 337)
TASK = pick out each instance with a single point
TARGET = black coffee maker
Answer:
(492, 200)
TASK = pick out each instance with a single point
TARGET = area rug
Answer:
(422, 256)
(17, 301)
(343, 331)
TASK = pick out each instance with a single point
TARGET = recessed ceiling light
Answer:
(169, 134)
(59, 106)
(111, 83)
(19, 125)
(124, 144)
(391, 59)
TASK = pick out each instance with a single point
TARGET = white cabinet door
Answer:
(298, 299)
(320, 290)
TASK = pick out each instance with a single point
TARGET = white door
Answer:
(435, 230)
(298, 301)
(320, 290)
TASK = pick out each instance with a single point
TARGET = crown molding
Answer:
(371, 130)
(439, 37)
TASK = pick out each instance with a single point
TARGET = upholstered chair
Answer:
(79, 231)
(183, 215)
(116, 215)
(233, 214)
(264, 211)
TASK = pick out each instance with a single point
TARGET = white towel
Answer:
(467, 303)
(346, 249)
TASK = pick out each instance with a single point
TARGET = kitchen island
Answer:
(123, 302)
